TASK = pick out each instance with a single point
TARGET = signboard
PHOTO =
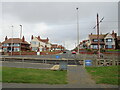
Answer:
(88, 62)
(63, 65)
(57, 56)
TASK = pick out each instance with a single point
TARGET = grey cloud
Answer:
(62, 16)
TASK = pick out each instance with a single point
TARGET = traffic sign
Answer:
(57, 56)
(88, 62)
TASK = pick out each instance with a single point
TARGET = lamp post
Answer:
(78, 28)
(20, 37)
(12, 41)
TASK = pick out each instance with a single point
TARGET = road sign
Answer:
(88, 62)
(57, 56)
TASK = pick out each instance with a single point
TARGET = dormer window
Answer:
(109, 40)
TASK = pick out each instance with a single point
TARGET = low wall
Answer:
(50, 53)
(32, 53)
(117, 53)
(22, 53)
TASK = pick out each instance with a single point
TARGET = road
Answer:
(68, 55)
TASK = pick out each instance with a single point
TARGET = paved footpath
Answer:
(77, 77)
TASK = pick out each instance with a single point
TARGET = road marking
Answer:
(55, 67)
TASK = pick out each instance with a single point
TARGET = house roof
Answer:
(54, 45)
(60, 46)
(96, 43)
(93, 36)
(15, 40)
(43, 40)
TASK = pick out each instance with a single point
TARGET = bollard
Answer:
(23, 62)
(4, 59)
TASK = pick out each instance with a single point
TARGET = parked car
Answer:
(73, 52)
(64, 51)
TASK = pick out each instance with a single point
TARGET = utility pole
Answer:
(12, 41)
(78, 28)
(20, 37)
(98, 36)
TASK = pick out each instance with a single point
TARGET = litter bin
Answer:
(63, 65)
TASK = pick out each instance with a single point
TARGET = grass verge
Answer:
(27, 75)
(105, 75)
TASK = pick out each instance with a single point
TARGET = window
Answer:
(39, 44)
(16, 44)
(5, 49)
(5, 44)
(109, 46)
(95, 40)
(109, 40)
(94, 46)
(34, 48)
(16, 49)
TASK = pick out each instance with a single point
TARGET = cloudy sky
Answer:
(57, 20)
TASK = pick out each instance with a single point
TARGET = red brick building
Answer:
(15, 44)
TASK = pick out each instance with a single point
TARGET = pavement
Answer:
(77, 78)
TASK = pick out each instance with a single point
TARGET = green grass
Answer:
(113, 50)
(105, 75)
(27, 75)
(0, 74)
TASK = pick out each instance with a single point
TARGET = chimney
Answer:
(47, 39)
(31, 37)
(115, 35)
(38, 37)
(23, 39)
(113, 32)
(6, 38)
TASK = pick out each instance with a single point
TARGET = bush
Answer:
(89, 50)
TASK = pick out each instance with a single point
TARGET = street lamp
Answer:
(12, 40)
(20, 37)
(78, 28)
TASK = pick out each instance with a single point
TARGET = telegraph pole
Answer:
(98, 31)
(78, 28)
(98, 36)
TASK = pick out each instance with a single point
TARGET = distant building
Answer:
(118, 42)
(107, 41)
(38, 44)
(0, 47)
(84, 44)
(15, 44)
(55, 47)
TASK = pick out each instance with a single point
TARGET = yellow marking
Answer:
(55, 67)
